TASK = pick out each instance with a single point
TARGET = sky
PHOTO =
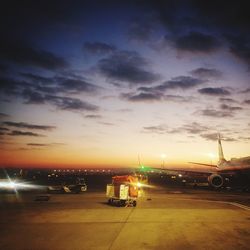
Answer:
(97, 83)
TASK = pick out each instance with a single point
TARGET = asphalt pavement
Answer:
(165, 218)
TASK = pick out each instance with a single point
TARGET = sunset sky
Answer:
(95, 83)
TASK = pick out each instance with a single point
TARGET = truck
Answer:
(123, 190)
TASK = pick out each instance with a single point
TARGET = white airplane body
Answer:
(216, 174)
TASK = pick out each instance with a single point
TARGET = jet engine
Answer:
(215, 180)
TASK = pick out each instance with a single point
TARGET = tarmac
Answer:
(164, 218)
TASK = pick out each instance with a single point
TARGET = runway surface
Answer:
(165, 218)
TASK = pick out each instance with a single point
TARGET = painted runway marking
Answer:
(239, 205)
(221, 202)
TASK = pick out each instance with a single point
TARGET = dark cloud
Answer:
(240, 46)
(246, 90)
(214, 137)
(11, 86)
(63, 103)
(99, 48)
(44, 144)
(196, 42)
(71, 84)
(194, 128)
(75, 85)
(27, 125)
(33, 97)
(180, 82)
(23, 133)
(4, 129)
(160, 129)
(70, 104)
(246, 102)
(216, 113)
(191, 128)
(214, 91)
(230, 108)
(37, 78)
(3, 115)
(93, 116)
(38, 144)
(21, 53)
(107, 123)
(154, 96)
(228, 100)
(127, 66)
(178, 98)
(142, 97)
(206, 73)
(210, 136)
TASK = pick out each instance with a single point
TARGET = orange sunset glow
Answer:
(98, 87)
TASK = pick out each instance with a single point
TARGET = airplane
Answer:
(216, 175)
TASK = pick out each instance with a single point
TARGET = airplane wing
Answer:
(203, 164)
(183, 172)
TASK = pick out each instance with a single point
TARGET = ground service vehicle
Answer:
(123, 190)
(67, 184)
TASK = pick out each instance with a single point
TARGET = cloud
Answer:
(68, 83)
(240, 46)
(4, 129)
(11, 86)
(22, 133)
(214, 91)
(44, 144)
(215, 113)
(93, 116)
(37, 78)
(154, 96)
(214, 137)
(38, 144)
(177, 98)
(75, 85)
(127, 66)
(99, 48)
(63, 103)
(3, 115)
(246, 102)
(229, 100)
(70, 104)
(206, 73)
(160, 129)
(230, 108)
(190, 128)
(33, 97)
(194, 128)
(179, 82)
(107, 123)
(142, 97)
(28, 125)
(21, 53)
(196, 42)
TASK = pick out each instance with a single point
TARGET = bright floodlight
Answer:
(163, 156)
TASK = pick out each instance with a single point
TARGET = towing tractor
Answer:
(123, 191)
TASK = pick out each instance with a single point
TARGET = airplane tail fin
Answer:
(220, 150)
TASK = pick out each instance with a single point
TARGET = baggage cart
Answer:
(123, 191)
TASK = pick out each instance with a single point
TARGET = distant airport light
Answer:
(211, 155)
